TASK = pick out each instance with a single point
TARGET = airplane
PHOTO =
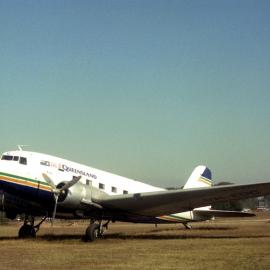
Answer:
(40, 185)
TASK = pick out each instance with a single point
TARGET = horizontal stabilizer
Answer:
(221, 213)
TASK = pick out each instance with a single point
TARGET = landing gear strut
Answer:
(28, 229)
(187, 226)
(95, 230)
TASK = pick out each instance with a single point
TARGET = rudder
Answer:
(200, 177)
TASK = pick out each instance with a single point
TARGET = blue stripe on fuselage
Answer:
(27, 193)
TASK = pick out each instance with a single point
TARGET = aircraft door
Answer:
(88, 190)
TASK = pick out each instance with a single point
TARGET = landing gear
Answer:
(187, 226)
(95, 230)
(92, 232)
(28, 229)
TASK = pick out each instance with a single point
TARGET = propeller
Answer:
(58, 191)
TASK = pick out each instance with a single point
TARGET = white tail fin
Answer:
(200, 177)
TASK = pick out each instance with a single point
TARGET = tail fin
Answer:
(200, 177)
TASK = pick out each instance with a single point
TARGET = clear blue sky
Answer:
(144, 89)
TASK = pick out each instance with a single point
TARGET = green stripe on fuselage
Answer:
(25, 178)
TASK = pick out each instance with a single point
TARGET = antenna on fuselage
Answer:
(20, 146)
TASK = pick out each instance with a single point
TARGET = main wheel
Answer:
(92, 232)
(27, 231)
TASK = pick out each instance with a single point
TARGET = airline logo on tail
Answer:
(200, 177)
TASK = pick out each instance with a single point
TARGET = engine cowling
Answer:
(72, 197)
(11, 214)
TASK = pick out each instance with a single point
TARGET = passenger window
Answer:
(45, 163)
(114, 189)
(23, 160)
(125, 192)
(101, 186)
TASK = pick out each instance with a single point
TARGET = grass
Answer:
(221, 244)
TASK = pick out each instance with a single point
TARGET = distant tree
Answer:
(173, 188)
(228, 205)
(267, 201)
(250, 203)
(223, 183)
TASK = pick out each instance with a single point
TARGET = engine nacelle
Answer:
(11, 214)
(72, 197)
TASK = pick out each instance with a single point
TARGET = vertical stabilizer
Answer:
(200, 177)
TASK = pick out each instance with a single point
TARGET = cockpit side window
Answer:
(23, 160)
(16, 158)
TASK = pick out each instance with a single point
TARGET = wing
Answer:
(167, 202)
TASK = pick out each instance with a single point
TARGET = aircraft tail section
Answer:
(200, 177)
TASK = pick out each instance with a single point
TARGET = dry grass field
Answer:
(221, 244)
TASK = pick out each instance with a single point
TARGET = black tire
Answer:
(92, 232)
(27, 231)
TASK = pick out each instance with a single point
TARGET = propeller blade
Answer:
(54, 210)
(70, 183)
(49, 181)
(57, 191)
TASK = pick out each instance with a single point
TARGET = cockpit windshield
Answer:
(6, 157)
(22, 160)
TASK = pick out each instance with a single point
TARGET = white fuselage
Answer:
(62, 170)
(31, 166)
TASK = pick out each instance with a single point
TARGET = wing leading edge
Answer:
(167, 202)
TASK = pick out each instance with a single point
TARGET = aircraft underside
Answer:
(29, 203)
